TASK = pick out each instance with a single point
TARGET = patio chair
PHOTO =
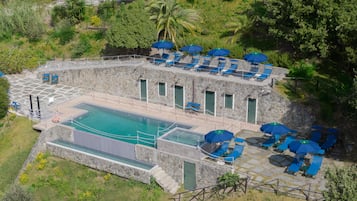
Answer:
(266, 73)
(329, 143)
(232, 68)
(194, 62)
(205, 64)
(284, 146)
(220, 66)
(271, 141)
(161, 60)
(46, 77)
(315, 136)
(254, 69)
(54, 79)
(177, 58)
(315, 166)
(236, 153)
(192, 106)
(220, 151)
(295, 166)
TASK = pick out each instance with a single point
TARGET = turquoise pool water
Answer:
(184, 136)
(121, 125)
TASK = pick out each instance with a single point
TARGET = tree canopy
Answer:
(322, 28)
(131, 28)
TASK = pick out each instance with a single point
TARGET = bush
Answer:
(16, 193)
(64, 31)
(82, 47)
(73, 11)
(302, 70)
(341, 184)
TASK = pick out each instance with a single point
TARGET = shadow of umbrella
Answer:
(281, 160)
(255, 141)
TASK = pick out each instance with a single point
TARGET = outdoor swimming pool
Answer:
(184, 136)
(124, 126)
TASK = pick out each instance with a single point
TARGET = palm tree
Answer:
(171, 19)
(234, 27)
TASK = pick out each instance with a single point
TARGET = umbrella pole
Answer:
(193, 90)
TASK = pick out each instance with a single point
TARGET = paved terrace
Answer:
(260, 164)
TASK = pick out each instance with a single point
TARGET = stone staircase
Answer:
(165, 180)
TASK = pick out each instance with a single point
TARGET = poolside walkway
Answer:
(260, 164)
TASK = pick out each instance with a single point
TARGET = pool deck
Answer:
(260, 164)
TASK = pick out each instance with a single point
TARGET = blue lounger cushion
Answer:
(315, 136)
(161, 60)
(271, 141)
(236, 153)
(315, 166)
(284, 146)
(330, 142)
(193, 106)
(295, 166)
(220, 151)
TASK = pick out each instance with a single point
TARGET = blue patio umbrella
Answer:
(218, 136)
(218, 52)
(275, 128)
(255, 57)
(192, 49)
(163, 44)
(303, 147)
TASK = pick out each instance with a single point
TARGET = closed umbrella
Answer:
(218, 136)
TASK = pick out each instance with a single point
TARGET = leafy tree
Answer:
(302, 70)
(228, 180)
(64, 31)
(107, 9)
(235, 26)
(81, 47)
(73, 10)
(131, 27)
(325, 28)
(341, 184)
(171, 19)
(4, 98)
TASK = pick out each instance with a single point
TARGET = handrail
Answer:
(160, 130)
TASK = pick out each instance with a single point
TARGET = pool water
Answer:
(184, 136)
(120, 125)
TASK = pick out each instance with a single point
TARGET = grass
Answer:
(52, 178)
(16, 140)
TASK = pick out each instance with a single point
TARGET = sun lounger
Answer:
(271, 141)
(266, 73)
(193, 63)
(232, 68)
(192, 106)
(236, 153)
(220, 151)
(46, 77)
(220, 66)
(54, 79)
(161, 60)
(284, 146)
(177, 58)
(254, 69)
(330, 142)
(205, 65)
(295, 166)
(315, 166)
(315, 136)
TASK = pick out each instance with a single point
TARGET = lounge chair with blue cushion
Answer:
(176, 59)
(236, 153)
(253, 70)
(161, 60)
(315, 166)
(192, 106)
(194, 62)
(315, 136)
(46, 77)
(266, 73)
(220, 66)
(295, 166)
(232, 68)
(330, 142)
(284, 146)
(220, 151)
(54, 79)
(205, 64)
(271, 141)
